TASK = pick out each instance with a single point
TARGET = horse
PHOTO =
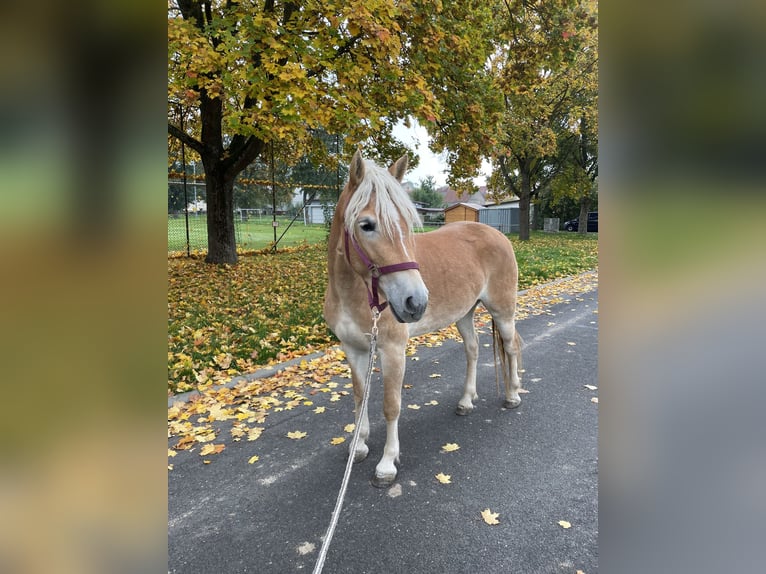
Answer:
(428, 280)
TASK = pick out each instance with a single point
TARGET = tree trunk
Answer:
(221, 240)
(582, 226)
(525, 197)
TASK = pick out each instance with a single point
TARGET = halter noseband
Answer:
(375, 271)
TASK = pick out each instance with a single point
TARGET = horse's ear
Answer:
(399, 168)
(356, 169)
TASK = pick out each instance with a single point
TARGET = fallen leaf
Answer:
(590, 387)
(337, 440)
(319, 410)
(211, 449)
(254, 433)
(594, 400)
(450, 447)
(413, 407)
(172, 453)
(205, 462)
(444, 478)
(432, 403)
(296, 435)
(564, 524)
(490, 517)
(434, 376)
(170, 467)
(571, 343)
(252, 459)
(349, 427)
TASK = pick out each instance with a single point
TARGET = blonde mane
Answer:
(391, 202)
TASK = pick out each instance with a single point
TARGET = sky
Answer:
(431, 164)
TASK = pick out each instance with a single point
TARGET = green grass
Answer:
(226, 320)
(548, 256)
(255, 233)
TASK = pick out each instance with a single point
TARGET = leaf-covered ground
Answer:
(228, 320)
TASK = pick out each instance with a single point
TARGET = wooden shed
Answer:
(462, 212)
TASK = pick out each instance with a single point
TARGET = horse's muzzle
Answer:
(411, 311)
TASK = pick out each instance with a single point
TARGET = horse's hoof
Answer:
(511, 404)
(361, 453)
(462, 411)
(382, 481)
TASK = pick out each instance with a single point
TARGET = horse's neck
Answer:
(339, 268)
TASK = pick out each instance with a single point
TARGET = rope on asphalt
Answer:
(352, 449)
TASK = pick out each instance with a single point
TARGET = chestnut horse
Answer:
(429, 281)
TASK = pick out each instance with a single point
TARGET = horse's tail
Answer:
(498, 348)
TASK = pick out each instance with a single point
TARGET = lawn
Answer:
(228, 320)
(251, 234)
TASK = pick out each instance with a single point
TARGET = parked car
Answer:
(574, 224)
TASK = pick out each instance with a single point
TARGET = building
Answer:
(462, 212)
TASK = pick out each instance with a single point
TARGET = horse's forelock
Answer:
(391, 201)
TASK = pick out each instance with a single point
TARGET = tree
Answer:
(426, 193)
(257, 75)
(533, 81)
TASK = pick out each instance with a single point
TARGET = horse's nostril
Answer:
(410, 305)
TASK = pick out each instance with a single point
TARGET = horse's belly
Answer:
(434, 321)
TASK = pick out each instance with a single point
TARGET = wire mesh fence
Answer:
(254, 228)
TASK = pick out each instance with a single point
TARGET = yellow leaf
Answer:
(319, 410)
(296, 435)
(432, 403)
(205, 462)
(434, 376)
(444, 478)
(564, 524)
(413, 407)
(337, 440)
(490, 517)
(172, 453)
(211, 449)
(594, 400)
(349, 427)
(252, 459)
(450, 447)
(170, 467)
(254, 433)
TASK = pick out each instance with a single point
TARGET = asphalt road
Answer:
(535, 466)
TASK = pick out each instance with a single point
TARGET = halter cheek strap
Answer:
(375, 271)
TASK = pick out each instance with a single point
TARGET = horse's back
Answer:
(464, 240)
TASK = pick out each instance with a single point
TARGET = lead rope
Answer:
(350, 462)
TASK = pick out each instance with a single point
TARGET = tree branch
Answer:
(185, 138)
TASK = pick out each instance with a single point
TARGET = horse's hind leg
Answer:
(358, 359)
(509, 341)
(467, 331)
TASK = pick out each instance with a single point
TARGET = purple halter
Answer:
(376, 272)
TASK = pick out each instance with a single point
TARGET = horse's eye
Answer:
(367, 225)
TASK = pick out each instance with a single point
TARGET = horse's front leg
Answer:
(358, 359)
(392, 364)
